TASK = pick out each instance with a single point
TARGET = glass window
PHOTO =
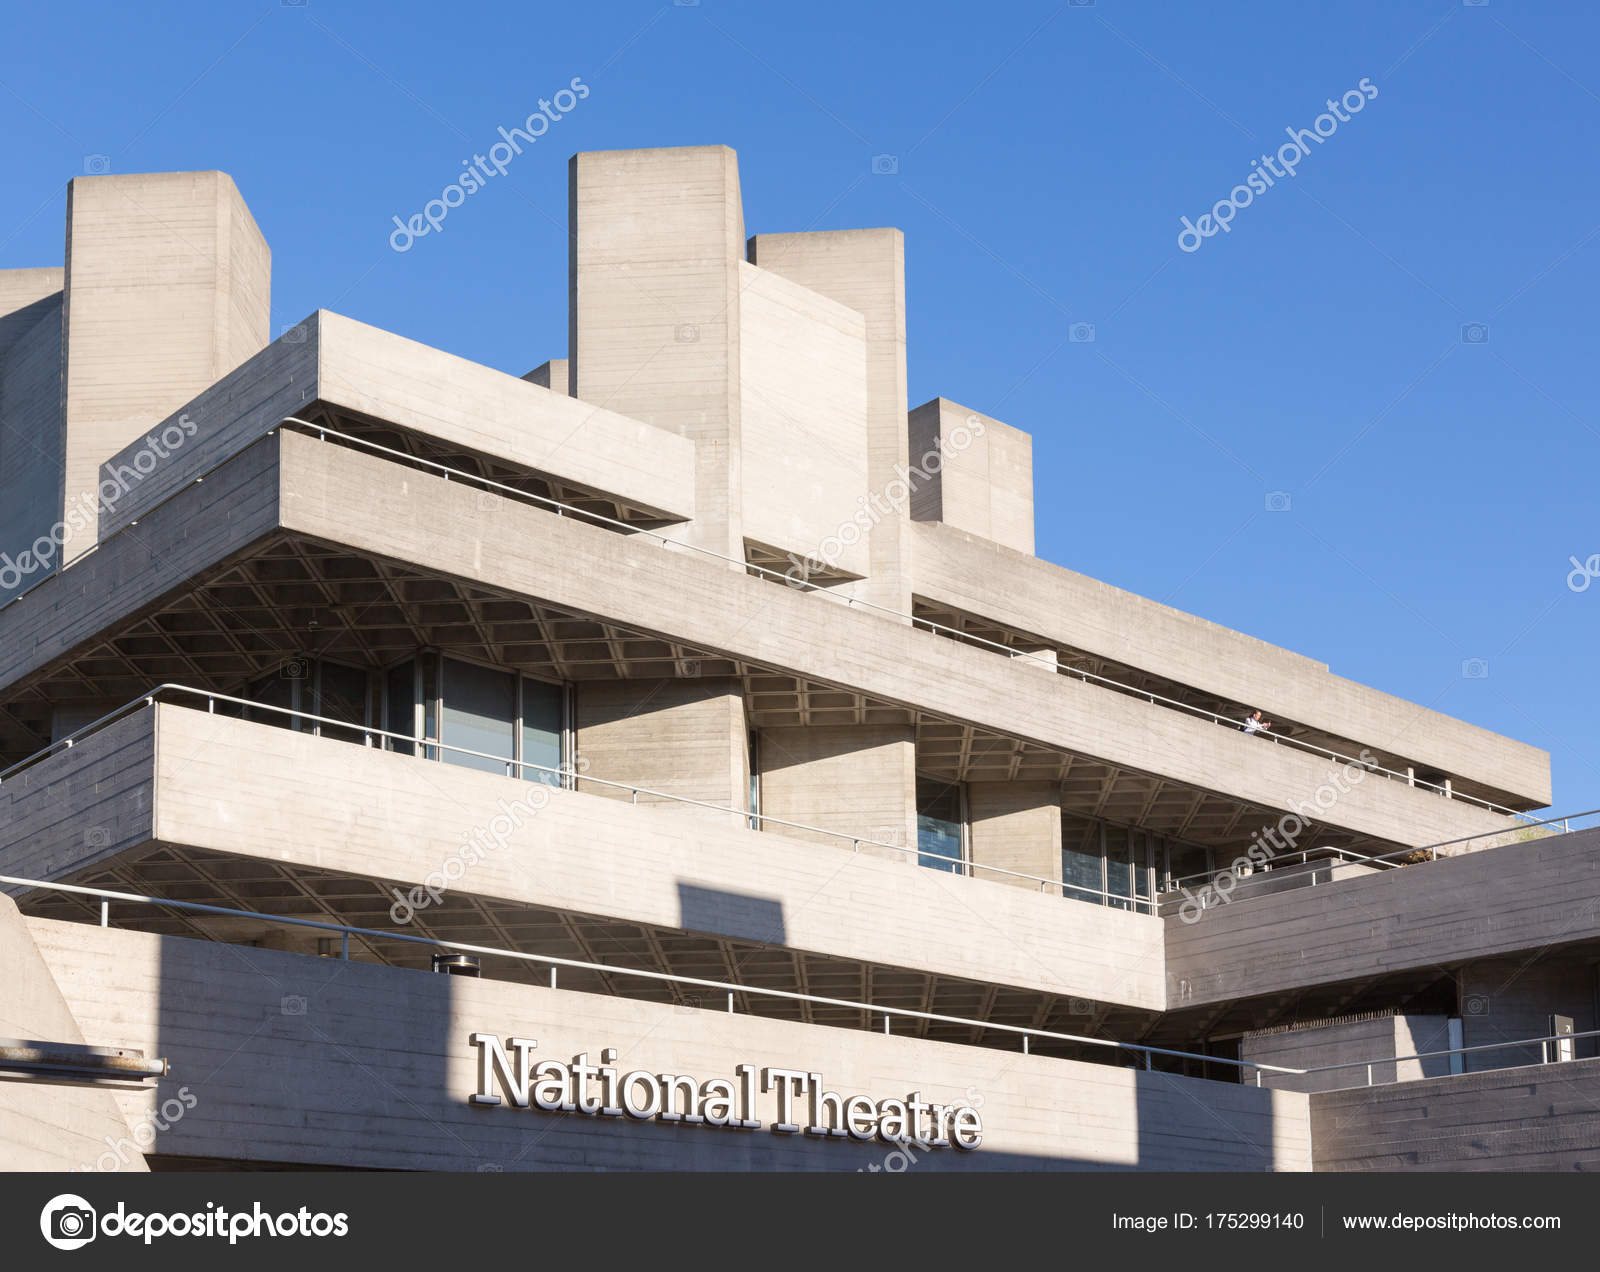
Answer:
(1081, 860)
(543, 724)
(1185, 861)
(939, 839)
(400, 705)
(342, 695)
(430, 703)
(755, 780)
(1144, 858)
(277, 689)
(479, 714)
(1119, 867)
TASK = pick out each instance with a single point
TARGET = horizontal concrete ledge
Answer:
(335, 807)
(295, 1059)
(343, 497)
(344, 363)
(1017, 590)
(1511, 899)
(1537, 1118)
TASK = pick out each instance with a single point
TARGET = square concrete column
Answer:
(30, 423)
(865, 270)
(552, 375)
(1016, 826)
(851, 779)
(978, 473)
(656, 240)
(684, 738)
(167, 290)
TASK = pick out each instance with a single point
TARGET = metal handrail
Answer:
(1343, 855)
(1143, 905)
(346, 931)
(107, 895)
(1565, 819)
(1384, 860)
(806, 585)
(1451, 1051)
(323, 432)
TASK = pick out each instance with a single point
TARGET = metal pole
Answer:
(105, 912)
(344, 945)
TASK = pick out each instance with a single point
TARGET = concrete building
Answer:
(707, 702)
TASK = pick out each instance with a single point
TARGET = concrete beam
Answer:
(960, 570)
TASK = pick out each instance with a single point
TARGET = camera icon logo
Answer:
(1279, 501)
(686, 333)
(1081, 333)
(295, 669)
(96, 165)
(292, 1005)
(67, 1222)
(96, 837)
(1475, 668)
(1475, 1005)
(885, 165)
(1474, 333)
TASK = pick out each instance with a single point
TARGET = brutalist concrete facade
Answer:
(714, 695)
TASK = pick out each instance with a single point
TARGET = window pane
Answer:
(939, 825)
(400, 705)
(1080, 858)
(479, 714)
(430, 703)
(1119, 872)
(343, 696)
(543, 707)
(1188, 860)
(1144, 857)
(275, 689)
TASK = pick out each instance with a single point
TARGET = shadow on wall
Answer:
(735, 914)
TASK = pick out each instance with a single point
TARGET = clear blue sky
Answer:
(1046, 153)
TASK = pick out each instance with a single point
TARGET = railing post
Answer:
(634, 793)
(344, 945)
(730, 1000)
(1149, 1060)
(885, 1022)
(1024, 1044)
(1369, 1075)
(1258, 1078)
(105, 912)
(552, 976)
